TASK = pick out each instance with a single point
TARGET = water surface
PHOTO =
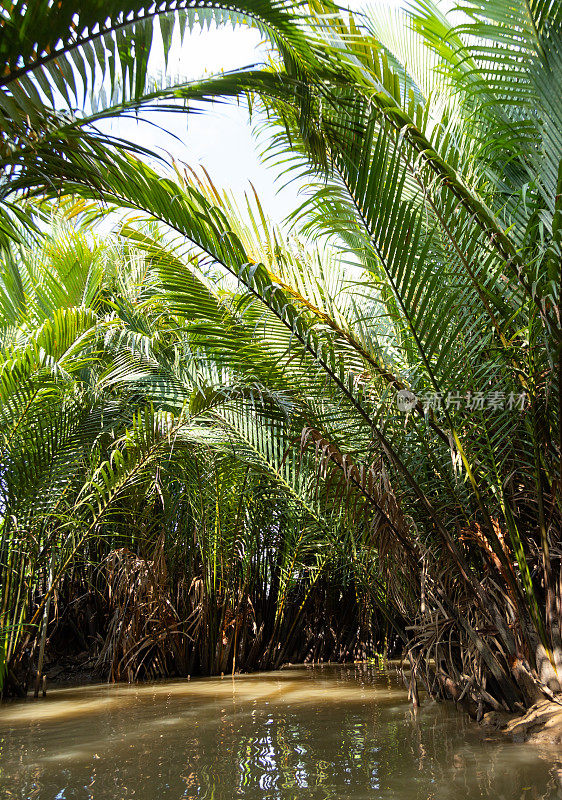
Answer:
(322, 732)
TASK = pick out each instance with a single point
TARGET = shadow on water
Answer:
(324, 732)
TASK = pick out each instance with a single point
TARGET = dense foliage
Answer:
(202, 443)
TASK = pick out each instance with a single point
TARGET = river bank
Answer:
(541, 724)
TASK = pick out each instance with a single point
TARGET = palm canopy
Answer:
(111, 377)
(433, 173)
(65, 67)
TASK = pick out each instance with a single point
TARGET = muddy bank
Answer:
(541, 724)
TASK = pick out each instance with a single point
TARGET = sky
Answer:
(220, 138)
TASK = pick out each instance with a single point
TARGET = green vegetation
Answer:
(203, 463)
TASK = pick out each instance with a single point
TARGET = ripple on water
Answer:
(325, 732)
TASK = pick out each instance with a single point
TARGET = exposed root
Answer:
(541, 724)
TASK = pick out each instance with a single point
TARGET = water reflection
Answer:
(331, 732)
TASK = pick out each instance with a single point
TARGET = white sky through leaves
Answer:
(220, 138)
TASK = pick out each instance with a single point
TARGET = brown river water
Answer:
(323, 732)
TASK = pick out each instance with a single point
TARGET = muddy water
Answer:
(324, 732)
